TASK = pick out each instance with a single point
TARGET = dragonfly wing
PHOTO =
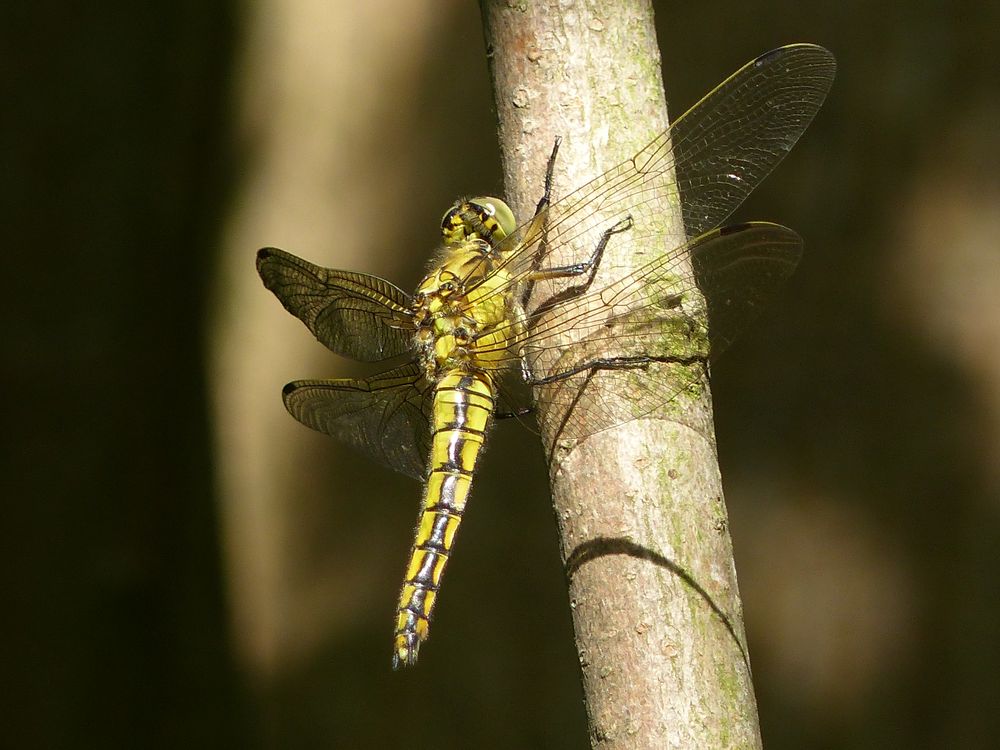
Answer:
(385, 417)
(353, 314)
(643, 340)
(739, 269)
(726, 144)
(708, 161)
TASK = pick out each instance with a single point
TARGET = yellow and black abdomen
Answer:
(463, 403)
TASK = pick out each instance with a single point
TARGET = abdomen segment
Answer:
(462, 406)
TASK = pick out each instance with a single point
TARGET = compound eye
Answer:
(498, 214)
(448, 220)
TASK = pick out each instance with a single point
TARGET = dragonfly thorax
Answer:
(465, 311)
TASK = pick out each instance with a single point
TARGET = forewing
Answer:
(709, 160)
(353, 314)
(726, 144)
(643, 339)
(385, 417)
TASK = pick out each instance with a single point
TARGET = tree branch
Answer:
(643, 525)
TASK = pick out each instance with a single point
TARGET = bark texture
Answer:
(643, 525)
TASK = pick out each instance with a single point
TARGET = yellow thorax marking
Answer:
(463, 297)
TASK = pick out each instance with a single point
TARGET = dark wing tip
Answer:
(768, 56)
(290, 388)
(734, 228)
(799, 47)
(264, 255)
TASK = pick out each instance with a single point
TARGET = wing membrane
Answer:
(353, 314)
(724, 146)
(648, 326)
(720, 149)
(385, 416)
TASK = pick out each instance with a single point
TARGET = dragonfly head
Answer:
(483, 218)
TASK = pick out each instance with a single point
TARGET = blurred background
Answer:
(186, 566)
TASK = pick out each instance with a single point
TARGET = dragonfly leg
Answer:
(519, 412)
(591, 368)
(588, 267)
(640, 362)
(539, 223)
(544, 201)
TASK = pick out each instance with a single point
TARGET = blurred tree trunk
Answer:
(320, 137)
(645, 539)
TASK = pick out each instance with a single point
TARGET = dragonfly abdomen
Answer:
(462, 406)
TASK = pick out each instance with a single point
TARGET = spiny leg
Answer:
(592, 367)
(639, 362)
(588, 267)
(521, 411)
(541, 209)
(550, 167)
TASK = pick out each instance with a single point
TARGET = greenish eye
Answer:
(499, 212)
(486, 218)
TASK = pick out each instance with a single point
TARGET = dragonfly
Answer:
(479, 332)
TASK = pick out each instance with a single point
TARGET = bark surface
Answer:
(643, 524)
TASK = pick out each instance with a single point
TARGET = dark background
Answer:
(858, 422)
